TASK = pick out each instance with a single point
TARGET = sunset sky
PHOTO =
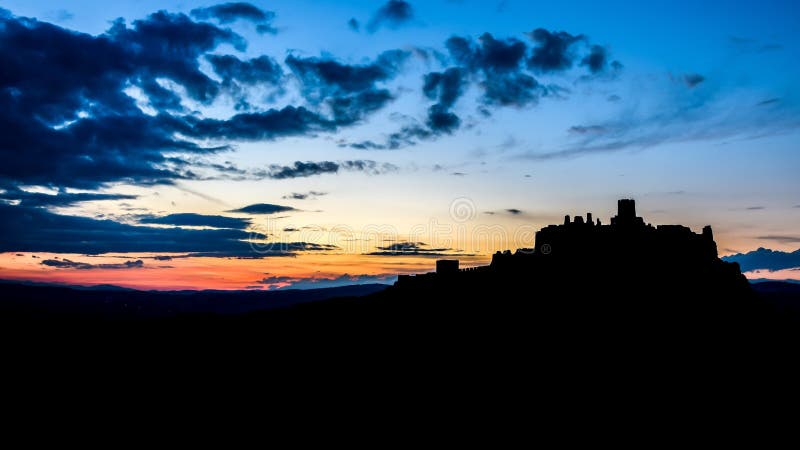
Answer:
(279, 144)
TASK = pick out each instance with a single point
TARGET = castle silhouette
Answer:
(588, 247)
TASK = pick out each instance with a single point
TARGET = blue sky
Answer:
(694, 112)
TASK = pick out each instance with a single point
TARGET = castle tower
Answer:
(626, 210)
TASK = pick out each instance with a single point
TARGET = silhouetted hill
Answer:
(41, 301)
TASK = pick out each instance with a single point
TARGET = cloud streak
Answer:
(68, 264)
(305, 169)
(263, 208)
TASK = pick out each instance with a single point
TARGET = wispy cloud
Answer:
(68, 264)
(263, 208)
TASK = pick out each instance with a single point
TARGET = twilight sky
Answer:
(276, 144)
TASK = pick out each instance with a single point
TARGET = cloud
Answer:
(261, 69)
(322, 78)
(514, 211)
(553, 51)
(490, 54)
(354, 24)
(596, 60)
(410, 248)
(310, 168)
(198, 220)
(393, 14)
(67, 264)
(304, 195)
(127, 98)
(266, 125)
(498, 62)
(61, 90)
(678, 115)
(286, 282)
(693, 79)
(226, 13)
(587, 129)
(766, 259)
(263, 208)
(781, 238)
(512, 90)
(445, 87)
(25, 229)
(60, 199)
(769, 101)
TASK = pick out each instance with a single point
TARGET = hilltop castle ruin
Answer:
(588, 246)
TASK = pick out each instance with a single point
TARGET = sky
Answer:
(299, 144)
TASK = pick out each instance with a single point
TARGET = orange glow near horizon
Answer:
(199, 273)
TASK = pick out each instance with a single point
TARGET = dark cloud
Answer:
(325, 77)
(406, 136)
(302, 169)
(514, 211)
(226, 13)
(304, 195)
(263, 208)
(553, 51)
(61, 91)
(238, 75)
(409, 248)
(693, 79)
(393, 14)
(755, 208)
(24, 229)
(769, 101)
(198, 220)
(353, 108)
(516, 89)
(766, 259)
(170, 45)
(489, 54)
(442, 120)
(349, 91)
(587, 129)
(596, 60)
(57, 200)
(231, 69)
(267, 125)
(65, 118)
(68, 264)
(446, 87)
(354, 24)
(498, 63)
